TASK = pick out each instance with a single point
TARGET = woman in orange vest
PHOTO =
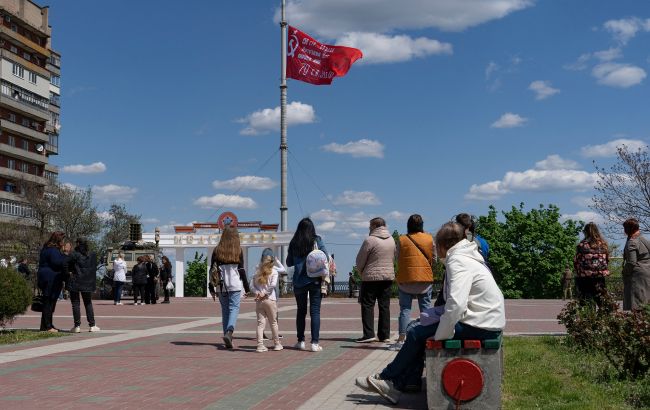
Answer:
(415, 252)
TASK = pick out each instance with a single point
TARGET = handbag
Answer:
(169, 286)
(37, 303)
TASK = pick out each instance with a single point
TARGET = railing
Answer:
(16, 209)
(24, 96)
(55, 100)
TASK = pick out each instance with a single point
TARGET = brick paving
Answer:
(172, 355)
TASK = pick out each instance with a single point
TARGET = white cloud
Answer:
(618, 75)
(226, 201)
(583, 201)
(113, 192)
(381, 48)
(509, 120)
(556, 162)
(542, 89)
(609, 149)
(326, 215)
(624, 30)
(580, 63)
(105, 216)
(551, 174)
(585, 216)
(94, 168)
(491, 68)
(268, 119)
(248, 182)
(357, 198)
(329, 18)
(326, 226)
(150, 221)
(358, 149)
(396, 215)
(611, 53)
(71, 186)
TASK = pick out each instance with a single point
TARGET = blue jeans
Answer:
(117, 291)
(406, 368)
(229, 309)
(405, 303)
(313, 291)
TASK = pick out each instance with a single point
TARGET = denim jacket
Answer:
(300, 278)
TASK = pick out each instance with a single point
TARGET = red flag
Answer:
(314, 62)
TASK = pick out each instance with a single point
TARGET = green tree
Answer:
(115, 229)
(15, 295)
(196, 276)
(529, 250)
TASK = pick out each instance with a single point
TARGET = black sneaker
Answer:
(366, 339)
(227, 339)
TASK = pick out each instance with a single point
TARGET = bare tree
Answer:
(623, 191)
(75, 215)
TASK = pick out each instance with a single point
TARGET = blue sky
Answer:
(456, 105)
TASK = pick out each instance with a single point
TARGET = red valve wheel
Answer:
(462, 379)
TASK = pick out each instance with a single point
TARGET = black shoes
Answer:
(227, 339)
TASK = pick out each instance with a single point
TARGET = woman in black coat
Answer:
(139, 273)
(82, 280)
(52, 268)
(165, 276)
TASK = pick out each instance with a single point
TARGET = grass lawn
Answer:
(543, 373)
(19, 336)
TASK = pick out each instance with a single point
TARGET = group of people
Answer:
(145, 278)
(591, 265)
(59, 265)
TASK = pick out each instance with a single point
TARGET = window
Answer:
(12, 117)
(14, 27)
(25, 145)
(27, 56)
(54, 140)
(25, 122)
(18, 70)
(10, 187)
(11, 140)
(11, 163)
(13, 49)
(24, 167)
(32, 77)
(56, 80)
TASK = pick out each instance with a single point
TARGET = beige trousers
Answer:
(267, 309)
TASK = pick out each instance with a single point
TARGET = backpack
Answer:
(316, 263)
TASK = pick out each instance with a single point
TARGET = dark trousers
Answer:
(372, 291)
(590, 287)
(117, 291)
(166, 291)
(150, 293)
(138, 290)
(88, 306)
(311, 291)
(49, 304)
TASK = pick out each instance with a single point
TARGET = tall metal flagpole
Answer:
(283, 130)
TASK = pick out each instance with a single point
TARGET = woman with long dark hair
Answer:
(305, 287)
(83, 268)
(52, 269)
(591, 263)
(636, 267)
(166, 277)
(228, 279)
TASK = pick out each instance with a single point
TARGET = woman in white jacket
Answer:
(473, 309)
(263, 286)
(119, 278)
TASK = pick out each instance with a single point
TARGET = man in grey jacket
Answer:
(375, 263)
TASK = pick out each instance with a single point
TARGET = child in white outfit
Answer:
(263, 286)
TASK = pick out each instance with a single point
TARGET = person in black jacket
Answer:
(82, 280)
(52, 268)
(165, 277)
(152, 281)
(23, 268)
(139, 275)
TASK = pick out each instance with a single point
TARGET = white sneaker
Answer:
(384, 388)
(94, 329)
(262, 348)
(363, 383)
(278, 347)
(316, 348)
(119, 303)
(300, 346)
(396, 347)
(75, 329)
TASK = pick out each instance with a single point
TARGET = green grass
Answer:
(20, 336)
(543, 373)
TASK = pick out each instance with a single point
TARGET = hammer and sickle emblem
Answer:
(293, 45)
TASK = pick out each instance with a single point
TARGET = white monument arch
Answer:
(207, 236)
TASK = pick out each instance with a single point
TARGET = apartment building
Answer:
(30, 81)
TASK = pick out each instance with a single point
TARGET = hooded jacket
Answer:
(472, 296)
(376, 256)
(83, 270)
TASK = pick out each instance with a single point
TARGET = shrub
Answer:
(196, 276)
(15, 295)
(622, 337)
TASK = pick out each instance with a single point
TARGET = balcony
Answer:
(31, 132)
(24, 101)
(52, 149)
(15, 175)
(6, 31)
(8, 55)
(20, 153)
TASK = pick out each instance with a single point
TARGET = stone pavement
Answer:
(172, 355)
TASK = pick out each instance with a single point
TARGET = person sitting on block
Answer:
(473, 309)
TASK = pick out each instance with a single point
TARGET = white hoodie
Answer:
(119, 269)
(472, 296)
(269, 287)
